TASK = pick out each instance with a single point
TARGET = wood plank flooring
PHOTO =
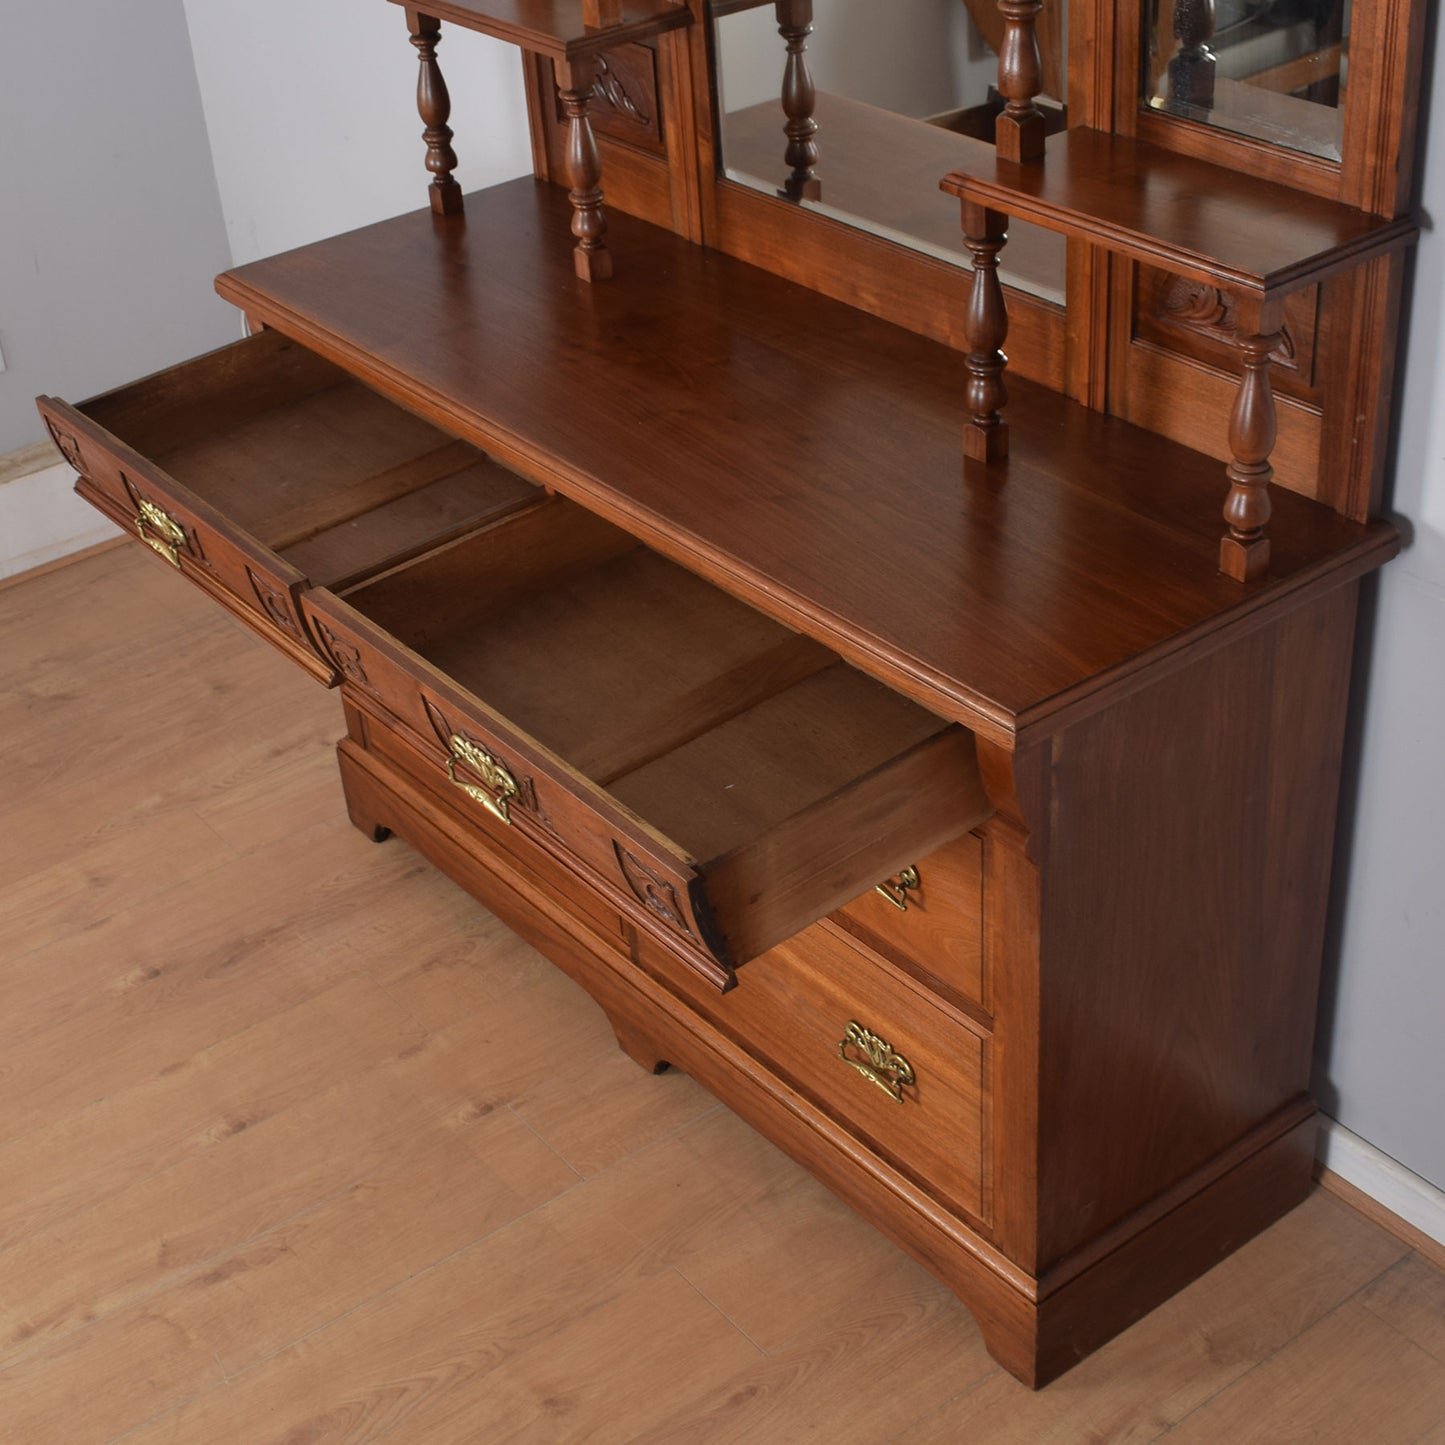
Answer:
(298, 1144)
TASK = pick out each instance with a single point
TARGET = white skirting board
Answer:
(40, 516)
(1404, 1194)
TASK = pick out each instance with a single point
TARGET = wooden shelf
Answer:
(555, 28)
(801, 454)
(1198, 220)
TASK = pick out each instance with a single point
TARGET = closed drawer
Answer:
(732, 780)
(260, 469)
(866, 1045)
(930, 919)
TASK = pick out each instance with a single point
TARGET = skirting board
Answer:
(1411, 1199)
(41, 518)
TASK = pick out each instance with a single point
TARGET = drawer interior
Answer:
(330, 476)
(705, 718)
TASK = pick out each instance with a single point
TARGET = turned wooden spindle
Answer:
(434, 104)
(1244, 551)
(800, 97)
(575, 80)
(1019, 130)
(1191, 71)
(985, 321)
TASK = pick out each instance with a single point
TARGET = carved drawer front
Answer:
(929, 918)
(870, 1047)
(546, 874)
(260, 469)
(725, 780)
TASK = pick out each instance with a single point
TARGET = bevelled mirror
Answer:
(1275, 70)
(854, 109)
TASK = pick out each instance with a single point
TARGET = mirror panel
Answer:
(1275, 70)
(856, 110)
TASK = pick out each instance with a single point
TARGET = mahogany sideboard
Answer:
(946, 807)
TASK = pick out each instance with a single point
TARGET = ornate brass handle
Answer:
(151, 519)
(876, 1060)
(895, 890)
(489, 770)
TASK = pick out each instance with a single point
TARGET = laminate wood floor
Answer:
(298, 1144)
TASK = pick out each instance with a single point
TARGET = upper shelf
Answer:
(803, 455)
(1201, 221)
(555, 27)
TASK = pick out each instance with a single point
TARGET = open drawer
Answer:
(261, 468)
(728, 780)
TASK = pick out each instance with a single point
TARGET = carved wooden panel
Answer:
(345, 656)
(656, 894)
(1196, 319)
(624, 97)
(275, 603)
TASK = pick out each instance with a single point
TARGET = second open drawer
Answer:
(732, 778)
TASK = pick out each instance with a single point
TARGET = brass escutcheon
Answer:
(489, 770)
(895, 890)
(879, 1064)
(150, 520)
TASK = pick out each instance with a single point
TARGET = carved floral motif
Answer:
(275, 603)
(346, 657)
(608, 87)
(1199, 307)
(69, 447)
(656, 894)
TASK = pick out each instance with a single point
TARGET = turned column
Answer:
(1191, 71)
(575, 80)
(985, 435)
(1244, 551)
(800, 96)
(434, 105)
(1019, 130)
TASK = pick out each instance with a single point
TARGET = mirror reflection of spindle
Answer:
(1191, 70)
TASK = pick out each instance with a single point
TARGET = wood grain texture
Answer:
(1106, 536)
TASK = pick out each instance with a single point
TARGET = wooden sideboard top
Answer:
(802, 454)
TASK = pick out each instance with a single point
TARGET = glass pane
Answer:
(1272, 69)
(897, 95)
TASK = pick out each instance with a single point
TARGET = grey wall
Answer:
(110, 223)
(1382, 1046)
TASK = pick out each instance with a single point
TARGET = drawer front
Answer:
(930, 918)
(508, 780)
(184, 531)
(382, 739)
(864, 1043)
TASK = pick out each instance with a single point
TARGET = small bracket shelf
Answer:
(1199, 221)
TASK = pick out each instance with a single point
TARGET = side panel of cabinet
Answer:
(1187, 870)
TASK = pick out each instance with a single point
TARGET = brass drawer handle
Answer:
(150, 520)
(878, 1064)
(895, 890)
(489, 770)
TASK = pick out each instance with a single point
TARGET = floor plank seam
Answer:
(712, 1304)
(718, 1310)
(1429, 1349)
(1279, 1349)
